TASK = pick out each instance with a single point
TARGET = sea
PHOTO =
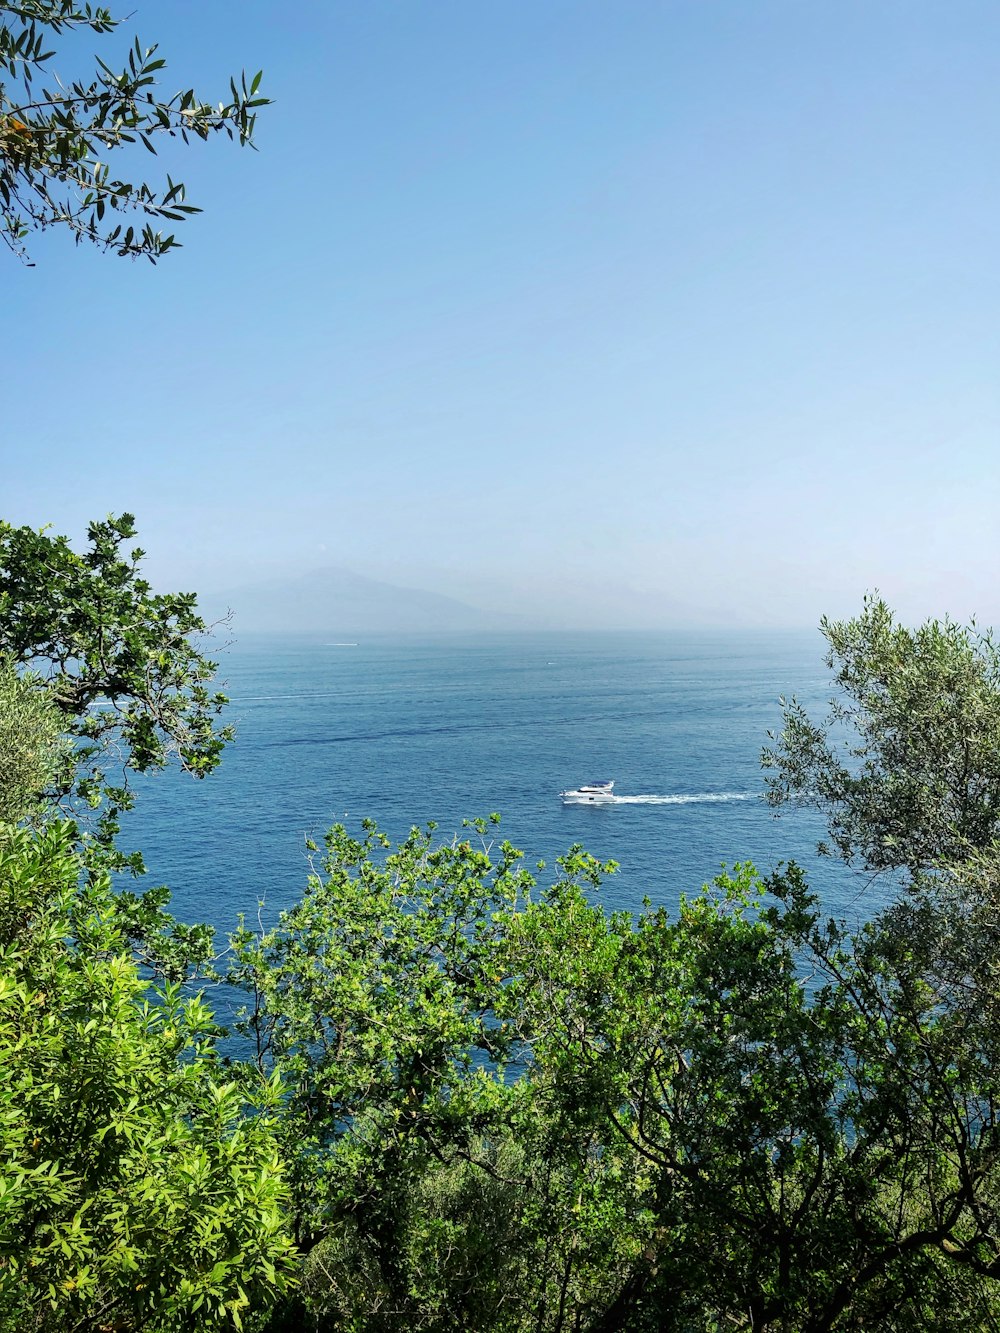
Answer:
(409, 731)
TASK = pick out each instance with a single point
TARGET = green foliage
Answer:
(55, 139)
(135, 1190)
(462, 1249)
(121, 662)
(373, 996)
(906, 765)
(32, 747)
(832, 1139)
(379, 1001)
(512, 1110)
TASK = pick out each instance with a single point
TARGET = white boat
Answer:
(588, 793)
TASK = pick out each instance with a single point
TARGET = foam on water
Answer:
(696, 798)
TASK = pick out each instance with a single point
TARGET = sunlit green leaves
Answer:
(121, 662)
(132, 1178)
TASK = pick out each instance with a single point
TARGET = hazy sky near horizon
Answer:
(614, 312)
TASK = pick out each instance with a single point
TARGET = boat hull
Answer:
(590, 793)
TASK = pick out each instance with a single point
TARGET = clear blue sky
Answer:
(618, 312)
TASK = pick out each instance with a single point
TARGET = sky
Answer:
(615, 313)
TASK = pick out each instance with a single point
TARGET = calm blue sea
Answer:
(406, 732)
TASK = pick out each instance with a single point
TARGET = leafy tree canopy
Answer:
(513, 1111)
(56, 135)
(121, 662)
(906, 764)
(140, 1188)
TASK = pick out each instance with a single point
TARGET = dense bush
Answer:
(514, 1111)
(136, 1192)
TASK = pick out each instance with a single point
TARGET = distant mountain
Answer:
(337, 601)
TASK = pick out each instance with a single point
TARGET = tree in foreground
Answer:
(102, 679)
(56, 135)
(906, 764)
(512, 1110)
(122, 663)
(139, 1188)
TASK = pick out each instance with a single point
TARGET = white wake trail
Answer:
(697, 798)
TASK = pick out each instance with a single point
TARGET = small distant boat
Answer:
(588, 793)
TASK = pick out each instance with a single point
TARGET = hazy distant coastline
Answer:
(342, 602)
